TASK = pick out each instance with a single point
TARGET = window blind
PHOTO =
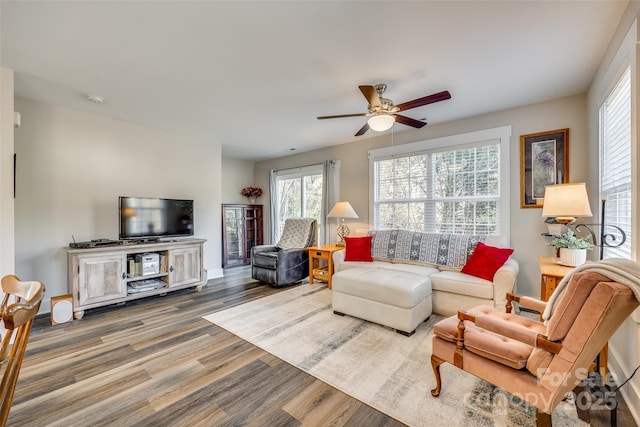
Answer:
(455, 190)
(615, 161)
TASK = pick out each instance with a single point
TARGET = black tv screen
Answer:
(143, 218)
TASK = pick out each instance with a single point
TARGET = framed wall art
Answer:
(544, 160)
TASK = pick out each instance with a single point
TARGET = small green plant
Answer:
(570, 241)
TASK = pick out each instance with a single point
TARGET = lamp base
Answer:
(342, 231)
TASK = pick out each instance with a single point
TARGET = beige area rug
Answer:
(374, 364)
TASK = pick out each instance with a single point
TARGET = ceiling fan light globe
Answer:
(381, 122)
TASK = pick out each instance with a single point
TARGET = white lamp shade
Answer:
(566, 200)
(342, 210)
(381, 122)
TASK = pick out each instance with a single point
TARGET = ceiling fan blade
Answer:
(342, 115)
(436, 97)
(362, 130)
(371, 94)
(409, 121)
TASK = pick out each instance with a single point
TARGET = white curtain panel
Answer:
(273, 203)
(330, 195)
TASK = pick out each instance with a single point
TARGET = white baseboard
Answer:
(45, 306)
(215, 273)
(631, 390)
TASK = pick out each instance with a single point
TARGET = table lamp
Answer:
(566, 202)
(342, 210)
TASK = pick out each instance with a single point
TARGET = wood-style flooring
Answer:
(156, 362)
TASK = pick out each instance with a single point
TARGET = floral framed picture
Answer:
(544, 160)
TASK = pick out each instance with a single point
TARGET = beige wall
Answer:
(7, 251)
(236, 175)
(72, 166)
(526, 224)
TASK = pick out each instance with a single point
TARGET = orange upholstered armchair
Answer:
(540, 362)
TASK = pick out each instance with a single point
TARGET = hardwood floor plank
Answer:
(322, 404)
(366, 416)
(131, 397)
(245, 355)
(51, 405)
(133, 414)
(278, 417)
(238, 395)
(45, 377)
(185, 416)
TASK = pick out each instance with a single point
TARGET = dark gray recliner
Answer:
(286, 262)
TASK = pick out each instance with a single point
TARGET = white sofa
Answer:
(452, 290)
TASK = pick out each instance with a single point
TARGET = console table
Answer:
(109, 274)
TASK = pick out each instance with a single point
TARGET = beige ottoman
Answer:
(391, 298)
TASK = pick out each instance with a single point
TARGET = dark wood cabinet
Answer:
(241, 230)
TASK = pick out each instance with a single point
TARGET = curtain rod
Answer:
(303, 166)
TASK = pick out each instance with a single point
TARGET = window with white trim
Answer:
(615, 161)
(299, 194)
(457, 185)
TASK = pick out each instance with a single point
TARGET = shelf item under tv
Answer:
(109, 275)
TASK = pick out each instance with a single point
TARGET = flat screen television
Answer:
(150, 218)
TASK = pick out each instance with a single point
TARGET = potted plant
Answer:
(573, 249)
(555, 227)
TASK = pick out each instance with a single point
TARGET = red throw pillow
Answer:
(358, 248)
(486, 260)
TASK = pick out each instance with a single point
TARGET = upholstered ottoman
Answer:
(396, 299)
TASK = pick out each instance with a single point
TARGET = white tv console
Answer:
(108, 275)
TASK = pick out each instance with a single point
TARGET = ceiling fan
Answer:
(382, 112)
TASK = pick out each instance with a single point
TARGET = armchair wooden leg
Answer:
(581, 396)
(457, 354)
(542, 419)
(436, 362)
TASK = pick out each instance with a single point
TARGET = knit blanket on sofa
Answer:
(447, 250)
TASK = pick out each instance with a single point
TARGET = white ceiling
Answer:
(253, 76)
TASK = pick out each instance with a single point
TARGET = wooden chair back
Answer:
(19, 307)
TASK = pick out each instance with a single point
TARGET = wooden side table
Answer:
(551, 273)
(321, 263)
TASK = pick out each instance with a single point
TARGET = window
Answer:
(457, 184)
(615, 161)
(299, 194)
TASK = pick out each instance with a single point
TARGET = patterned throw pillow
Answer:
(448, 250)
(383, 244)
